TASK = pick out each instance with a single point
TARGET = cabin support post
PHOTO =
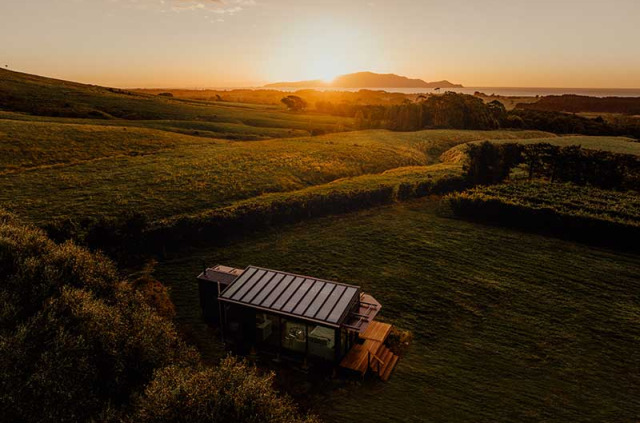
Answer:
(222, 323)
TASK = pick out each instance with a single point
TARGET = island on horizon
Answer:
(366, 80)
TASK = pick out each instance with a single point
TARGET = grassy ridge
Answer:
(50, 97)
(225, 130)
(508, 326)
(269, 210)
(188, 175)
(27, 144)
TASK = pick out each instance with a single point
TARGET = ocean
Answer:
(499, 91)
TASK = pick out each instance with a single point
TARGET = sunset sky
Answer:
(233, 43)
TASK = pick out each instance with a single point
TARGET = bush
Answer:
(132, 234)
(294, 103)
(155, 294)
(79, 344)
(231, 392)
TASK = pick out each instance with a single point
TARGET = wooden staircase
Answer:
(372, 355)
(383, 362)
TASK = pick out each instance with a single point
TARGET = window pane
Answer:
(267, 330)
(322, 342)
(294, 336)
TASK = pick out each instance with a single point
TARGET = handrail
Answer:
(377, 358)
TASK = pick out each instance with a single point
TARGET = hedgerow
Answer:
(577, 212)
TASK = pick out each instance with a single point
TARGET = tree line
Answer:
(490, 163)
(461, 111)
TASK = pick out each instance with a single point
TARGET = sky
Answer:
(247, 43)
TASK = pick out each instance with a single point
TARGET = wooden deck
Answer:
(372, 354)
(377, 331)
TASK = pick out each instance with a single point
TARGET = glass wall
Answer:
(267, 330)
(273, 332)
(294, 335)
(322, 342)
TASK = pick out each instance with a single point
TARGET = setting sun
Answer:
(319, 49)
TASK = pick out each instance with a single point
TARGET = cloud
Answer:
(217, 7)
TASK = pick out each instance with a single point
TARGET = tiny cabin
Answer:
(297, 317)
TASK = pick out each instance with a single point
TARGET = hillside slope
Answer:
(42, 96)
(178, 175)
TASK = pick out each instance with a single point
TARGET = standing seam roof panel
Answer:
(341, 305)
(319, 301)
(239, 295)
(288, 293)
(330, 303)
(267, 289)
(309, 297)
(292, 295)
(278, 290)
(237, 284)
(259, 286)
(300, 292)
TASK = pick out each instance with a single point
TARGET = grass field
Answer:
(216, 130)
(106, 170)
(507, 326)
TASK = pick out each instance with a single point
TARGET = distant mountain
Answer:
(366, 80)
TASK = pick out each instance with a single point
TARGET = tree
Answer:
(231, 392)
(294, 103)
(77, 343)
(489, 163)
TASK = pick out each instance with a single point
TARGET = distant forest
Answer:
(460, 111)
(580, 103)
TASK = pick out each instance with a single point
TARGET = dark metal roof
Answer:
(299, 296)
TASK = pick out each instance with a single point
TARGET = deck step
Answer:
(360, 357)
(385, 357)
(381, 350)
(386, 374)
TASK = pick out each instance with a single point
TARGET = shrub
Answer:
(231, 392)
(79, 344)
(294, 103)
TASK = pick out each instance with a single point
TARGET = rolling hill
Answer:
(40, 96)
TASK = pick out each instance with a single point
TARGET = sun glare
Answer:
(307, 56)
